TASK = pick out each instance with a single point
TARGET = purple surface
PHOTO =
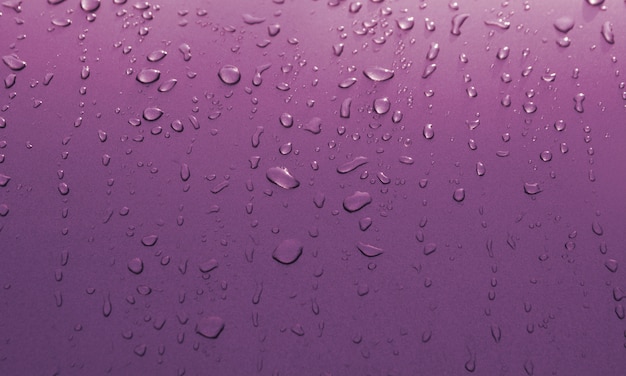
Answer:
(323, 191)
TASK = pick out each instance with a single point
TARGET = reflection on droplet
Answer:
(288, 251)
(352, 165)
(229, 74)
(378, 74)
(282, 177)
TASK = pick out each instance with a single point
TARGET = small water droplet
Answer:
(433, 51)
(480, 169)
(428, 131)
(429, 70)
(252, 20)
(149, 240)
(503, 53)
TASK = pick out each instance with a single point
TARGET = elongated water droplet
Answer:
(356, 201)
(480, 169)
(167, 85)
(347, 82)
(352, 165)
(288, 251)
(149, 240)
(156, 55)
(369, 250)
(148, 75)
(344, 111)
(152, 113)
(607, 32)
(252, 20)
(457, 21)
(595, 2)
(13, 62)
(433, 51)
(578, 102)
(428, 70)
(229, 74)
(378, 74)
(429, 249)
(282, 177)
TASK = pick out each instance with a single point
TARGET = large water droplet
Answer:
(167, 85)
(286, 120)
(13, 62)
(282, 177)
(135, 265)
(382, 105)
(352, 165)
(356, 201)
(89, 5)
(156, 55)
(378, 74)
(210, 326)
(595, 2)
(428, 70)
(288, 251)
(229, 74)
(148, 75)
(369, 250)
(459, 194)
(457, 21)
(564, 24)
(252, 20)
(149, 240)
(152, 113)
(607, 32)
(531, 188)
(405, 23)
(428, 131)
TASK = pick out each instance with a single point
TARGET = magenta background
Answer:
(576, 328)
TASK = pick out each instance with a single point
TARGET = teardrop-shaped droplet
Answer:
(457, 21)
(480, 168)
(607, 32)
(13, 62)
(378, 74)
(347, 82)
(459, 194)
(428, 70)
(433, 51)
(428, 131)
(167, 85)
(148, 75)
(229, 74)
(156, 55)
(152, 113)
(282, 177)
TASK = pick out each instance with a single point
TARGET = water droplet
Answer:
(595, 2)
(229, 74)
(472, 92)
(502, 24)
(405, 23)
(430, 248)
(428, 131)
(503, 53)
(459, 194)
(89, 5)
(369, 250)
(152, 114)
(210, 326)
(356, 201)
(531, 188)
(314, 125)
(13, 62)
(4, 180)
(185, 173)
(378, 74)
(185, 49)
(382, 105)
(352, 165)
(167, 85)
(63, 188)
(546, 156)
(597, 228)
(288, 251)
(282, 178)
(61, 22)
(208, 265)
(611, 265)
(344, 111)
(286, 120)
(149, 240)
(135, 265)
(496, 333)
(564, 41)
(347, 82)
(529, 107)
(560, 125)
(428, 70)
(338, 49)
(578, 100)
(148, 75)
(156, 55)
(564, 24)
(252, 20)
(607, 32)
(177, 125)
(480, 169)
(457, 21)
(273, 30)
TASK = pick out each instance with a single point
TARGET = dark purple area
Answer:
(308, 187)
